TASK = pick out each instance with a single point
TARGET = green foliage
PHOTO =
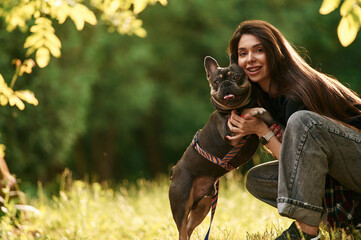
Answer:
(82, 210)
(121, 15)
(117, 106)
(16, 98)
(350, 23)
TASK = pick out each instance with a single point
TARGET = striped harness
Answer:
(223, 162)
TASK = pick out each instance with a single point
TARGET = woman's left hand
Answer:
(244, 125)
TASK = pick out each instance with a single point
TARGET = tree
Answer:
(34, 18)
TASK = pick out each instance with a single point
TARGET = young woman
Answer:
(321, 119)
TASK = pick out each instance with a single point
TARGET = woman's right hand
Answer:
(277, 131)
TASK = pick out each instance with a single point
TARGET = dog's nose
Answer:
(227, 83)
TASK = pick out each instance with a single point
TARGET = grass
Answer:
(91, 211)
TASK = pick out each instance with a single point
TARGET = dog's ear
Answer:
(210, 64)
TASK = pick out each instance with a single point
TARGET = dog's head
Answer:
(230, 89)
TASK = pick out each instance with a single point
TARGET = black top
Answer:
(281, 108)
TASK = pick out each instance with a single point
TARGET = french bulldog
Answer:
(193, 177)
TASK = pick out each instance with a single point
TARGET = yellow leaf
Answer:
(113, 7)
(27, 96)
(77, 19)
(42, 57)
(43, 20)
(2, 150)
(54, 50)
(346, 7)
(88, 15)
(62, 13)
(4, 89)
(3, 100)
(140, 32)
(36, 28)
(347, 30)
(139, 5)
(328, 6)
(163, 2)
(1, 79)
(30, 51)
(53, 39)
(136, 23)
(33, 39)
(357, 11)
(14, 100)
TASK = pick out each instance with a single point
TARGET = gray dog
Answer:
(193, 178)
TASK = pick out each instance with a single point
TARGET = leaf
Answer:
(3, 100)
(139, 5)
(43, 20)
(347, 7)
(62, 13)
(357, 11)
(347, 29)
(163, 2)
(53, 39)
(54, 50)
(14, 100)
(88, 15)
(77, 19)
(2, 150)
(27, 96)
(140, 32)
(42, 57)
(32, 40)
(329, 6)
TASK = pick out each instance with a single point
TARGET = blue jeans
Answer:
(312, 147)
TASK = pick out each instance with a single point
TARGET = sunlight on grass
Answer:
(138, 211)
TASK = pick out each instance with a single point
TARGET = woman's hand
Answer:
(244, 125)
(277, 131)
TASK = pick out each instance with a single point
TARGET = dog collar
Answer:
(222, 108)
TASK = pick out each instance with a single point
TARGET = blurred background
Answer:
(117, 107)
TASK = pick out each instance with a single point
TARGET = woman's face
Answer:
(253, 60)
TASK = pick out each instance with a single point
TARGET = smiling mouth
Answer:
(253, 69)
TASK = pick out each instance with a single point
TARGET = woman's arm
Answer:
(246, 125)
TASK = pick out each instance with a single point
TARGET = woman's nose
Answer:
(250, 57)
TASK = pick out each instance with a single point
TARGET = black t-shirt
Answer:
(281, 108)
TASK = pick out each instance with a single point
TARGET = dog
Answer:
(193, 178)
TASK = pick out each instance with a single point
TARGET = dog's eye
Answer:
(216, 82)
(236, 77)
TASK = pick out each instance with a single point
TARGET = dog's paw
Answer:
(256, 112)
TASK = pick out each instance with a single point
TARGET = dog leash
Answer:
(223, 162)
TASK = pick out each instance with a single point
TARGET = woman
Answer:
(321, 119)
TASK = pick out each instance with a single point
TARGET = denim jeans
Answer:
(312, 147)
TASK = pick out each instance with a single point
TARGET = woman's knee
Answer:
(251, 180)
(259, 177)
(303, 120)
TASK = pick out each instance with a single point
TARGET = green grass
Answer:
(137, 211)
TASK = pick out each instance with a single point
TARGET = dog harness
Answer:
(223, 162)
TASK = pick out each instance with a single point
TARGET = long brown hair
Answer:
(293, 77)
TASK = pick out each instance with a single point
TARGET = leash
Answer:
(223, 162)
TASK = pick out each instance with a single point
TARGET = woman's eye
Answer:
(242, 53)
